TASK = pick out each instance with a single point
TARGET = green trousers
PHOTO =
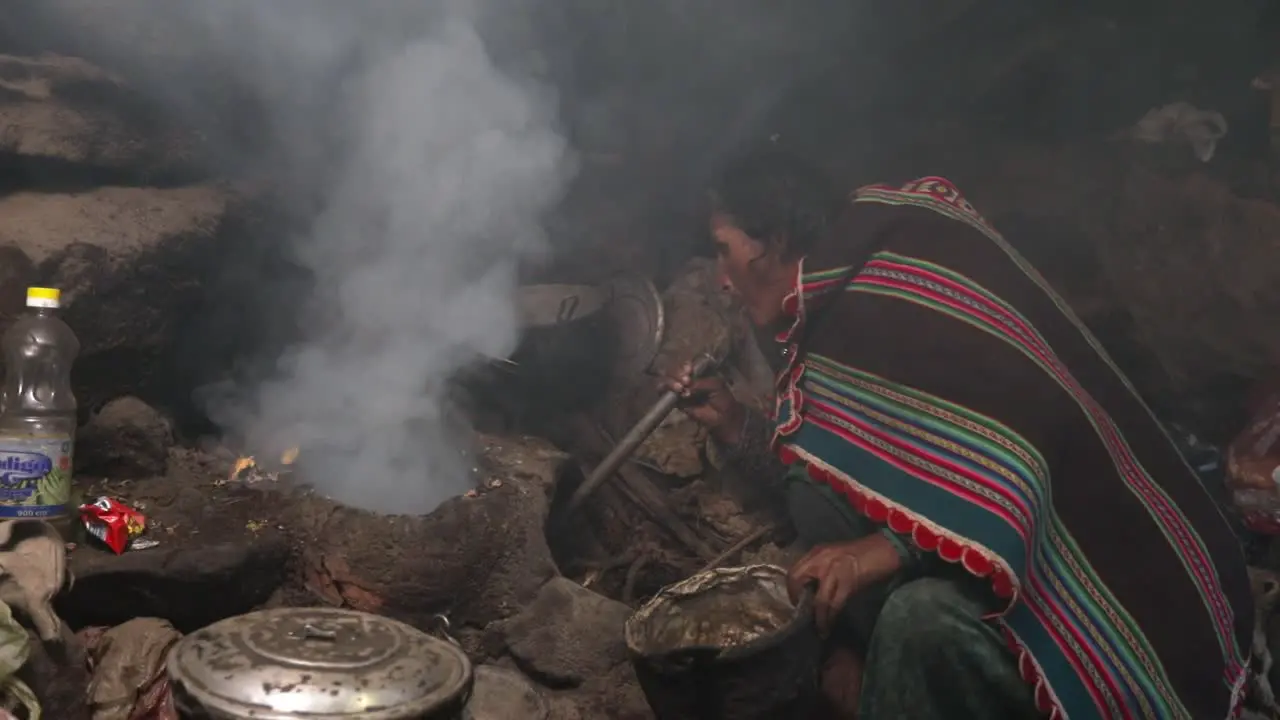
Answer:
(928, 654)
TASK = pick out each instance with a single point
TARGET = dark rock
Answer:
(616, 695)
(221, 550)
(502, 692)
(189, 586)
(15, 271)
(65, 121)
(131, 264)
(568, 634)
(126, 438)
(1192, 272)
(1168, 269)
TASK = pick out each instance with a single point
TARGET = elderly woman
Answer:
(997, 527)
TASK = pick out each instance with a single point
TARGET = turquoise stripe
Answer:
(902, 488)
(1116, 658)
(1049, 559)
(882, 385)
(984, 486)
(1087, 618)
(1032, 496)
(974, 523)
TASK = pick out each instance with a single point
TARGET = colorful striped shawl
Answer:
(943, 388)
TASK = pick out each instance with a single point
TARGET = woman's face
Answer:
(752, 270)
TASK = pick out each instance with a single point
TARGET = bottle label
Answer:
(35, 477)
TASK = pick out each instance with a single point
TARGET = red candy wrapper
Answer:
(112, 522)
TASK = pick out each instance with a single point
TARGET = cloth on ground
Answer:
(33, 568)
(15, 648)
(129, 680)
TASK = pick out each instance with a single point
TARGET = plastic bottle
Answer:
(38, 421)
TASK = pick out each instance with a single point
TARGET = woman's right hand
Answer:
(709, 402)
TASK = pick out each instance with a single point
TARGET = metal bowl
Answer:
(727, 644)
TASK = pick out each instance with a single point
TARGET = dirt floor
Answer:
(222, 549)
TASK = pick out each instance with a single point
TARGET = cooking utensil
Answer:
(318, 664)
(631, 304)
(727, 644)
(634, 437)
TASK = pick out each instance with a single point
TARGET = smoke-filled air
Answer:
(452, 165)
(425, 142)
(429, 171)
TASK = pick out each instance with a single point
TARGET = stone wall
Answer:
(105, 199)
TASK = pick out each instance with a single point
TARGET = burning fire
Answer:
(246, 468)
(242, 464)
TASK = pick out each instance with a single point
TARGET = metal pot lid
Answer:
(292, 663)
(502, 694)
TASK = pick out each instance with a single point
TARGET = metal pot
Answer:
(319, 664)
(619, 325)
(577, 342)
(727, 644)
(546, 306)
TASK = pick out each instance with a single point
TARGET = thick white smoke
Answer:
(426, 160)
(441, 195)
(431, 170)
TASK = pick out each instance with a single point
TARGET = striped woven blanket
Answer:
(938, 383)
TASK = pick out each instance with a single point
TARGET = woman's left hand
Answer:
(841, 570)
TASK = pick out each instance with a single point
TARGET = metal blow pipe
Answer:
(635, 436)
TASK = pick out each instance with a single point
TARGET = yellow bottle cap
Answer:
(43, 297)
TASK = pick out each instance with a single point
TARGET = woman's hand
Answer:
(841, 570)
(709, 402)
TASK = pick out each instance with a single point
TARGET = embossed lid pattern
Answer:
(318, 663)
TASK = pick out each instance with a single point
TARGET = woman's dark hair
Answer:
(774, 196)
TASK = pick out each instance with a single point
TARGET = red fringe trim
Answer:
(1033, 676)
(953, 549)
